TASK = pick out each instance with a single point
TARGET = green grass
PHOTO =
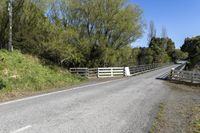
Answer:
(197, 126)
(21, 73)
(196, 122)
(154, 128)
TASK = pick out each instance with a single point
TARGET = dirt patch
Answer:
(180, 113)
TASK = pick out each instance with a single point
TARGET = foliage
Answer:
(179, 55)
(192, 46)
(162, 49)
(77, 33)
(145, 56)
(74, 33)
(152, 32)
(113, 25)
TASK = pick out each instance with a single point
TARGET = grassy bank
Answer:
(21, 74)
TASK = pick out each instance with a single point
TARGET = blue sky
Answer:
(180, 17)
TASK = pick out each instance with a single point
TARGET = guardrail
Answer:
(142, 68)
(114, 71)
(185, 76)
(181, 67)
(178, 74)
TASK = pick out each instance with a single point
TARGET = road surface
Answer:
(125, 105)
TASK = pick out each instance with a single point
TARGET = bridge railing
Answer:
(178, 74)
(145, 68)
(185, 76)
(105, 72)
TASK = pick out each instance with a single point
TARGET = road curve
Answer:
(125, 105)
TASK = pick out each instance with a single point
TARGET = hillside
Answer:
(22, 74)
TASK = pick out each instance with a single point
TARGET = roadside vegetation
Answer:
(24, 74)
(158, 119)
(192, 46)
(196, 119)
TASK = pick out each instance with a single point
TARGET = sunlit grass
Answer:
(23, 73)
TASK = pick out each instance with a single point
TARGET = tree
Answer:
(74, 32)
(3, 23)
(4, 20)
(162, 48)
(192, 46)
(152, 32)
(113, 24)
(145, 56)
(164, 32)
(179, 55)
(164, 37)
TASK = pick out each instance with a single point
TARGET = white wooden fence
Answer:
(110, 72)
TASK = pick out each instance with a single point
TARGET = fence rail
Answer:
(79, 71)
(185, 76)
(114, 71)
(111, 72)
(142, 68)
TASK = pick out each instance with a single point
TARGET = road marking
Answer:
(22, 129)
(57, 92)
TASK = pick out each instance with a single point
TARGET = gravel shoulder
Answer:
(180, 112)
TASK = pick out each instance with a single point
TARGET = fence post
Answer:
(87, 74)
(191, 77)
(111, 70)
(97, 72)
(172, 73)
(124, 71)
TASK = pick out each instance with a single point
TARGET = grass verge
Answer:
(158, 119)
(196, 120)
(23, 75)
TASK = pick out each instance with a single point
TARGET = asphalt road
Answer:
(125, 105)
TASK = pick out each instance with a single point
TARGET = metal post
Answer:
(10, 9)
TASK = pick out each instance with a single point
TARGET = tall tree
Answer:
(152, 31)
(164, 37)
(164, 32)
(163, 49)
(101, 24)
